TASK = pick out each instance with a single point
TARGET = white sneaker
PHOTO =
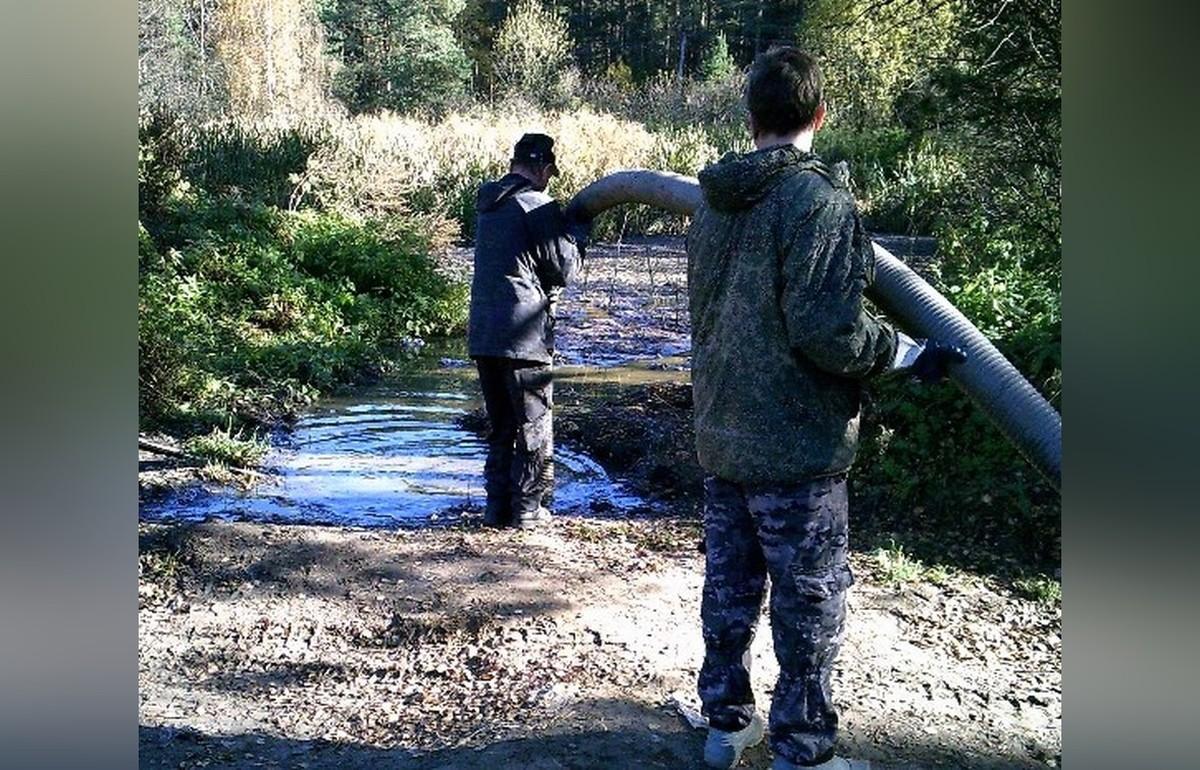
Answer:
(532, 520)
(723, 749)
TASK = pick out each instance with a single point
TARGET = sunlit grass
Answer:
(222, 446)
(1039, 588)
(899, 568)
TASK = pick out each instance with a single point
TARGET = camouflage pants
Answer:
(518, 396)
(796, 534)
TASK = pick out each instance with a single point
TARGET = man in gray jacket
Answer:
(526, 251)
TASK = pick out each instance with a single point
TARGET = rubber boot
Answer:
(546, 480)
(723, 749)
(497, 514)
(836, 763)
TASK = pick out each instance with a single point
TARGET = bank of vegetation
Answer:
(303, 161)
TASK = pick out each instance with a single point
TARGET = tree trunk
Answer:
(758, 29)
(682, 54)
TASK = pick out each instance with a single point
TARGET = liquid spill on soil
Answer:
(396, 455)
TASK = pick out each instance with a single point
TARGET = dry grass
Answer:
(390, 163)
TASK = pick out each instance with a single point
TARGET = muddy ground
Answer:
(572, 647)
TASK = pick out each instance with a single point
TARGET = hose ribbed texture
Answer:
(994, 384)
(1018, 410)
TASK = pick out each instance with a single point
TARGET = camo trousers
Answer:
(518, 395)
(796, 534)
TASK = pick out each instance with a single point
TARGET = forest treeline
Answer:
(302, 159)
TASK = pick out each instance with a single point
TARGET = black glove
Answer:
(579, 222)
(576, 213)
(935, 359)
(580, 231)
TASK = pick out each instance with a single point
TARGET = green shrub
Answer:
(905, 184)
(388, 269)
(173, 342)
(224, 446)
(396, 55)
(871, 53)
(929, 456)
(1039, 588)
(532, 55)
(930, 460)
(247, 312)
(716, 62)
(259, 164)
(899, 568)
(161, 154)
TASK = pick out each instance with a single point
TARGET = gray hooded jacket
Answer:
(525, 253)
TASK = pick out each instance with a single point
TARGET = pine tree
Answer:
(396, 54)
(716, 63)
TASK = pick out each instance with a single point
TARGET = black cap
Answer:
(534, 148)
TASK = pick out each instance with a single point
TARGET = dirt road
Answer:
(574, 647)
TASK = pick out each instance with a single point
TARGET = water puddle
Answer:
(393, 455)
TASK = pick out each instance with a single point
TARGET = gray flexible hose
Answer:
(676, 193)
(992, 382)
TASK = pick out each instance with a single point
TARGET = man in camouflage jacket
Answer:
(778, 260)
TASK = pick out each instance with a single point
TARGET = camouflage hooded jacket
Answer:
(778, 260)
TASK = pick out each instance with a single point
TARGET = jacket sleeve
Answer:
(558, 248)
(827, 265)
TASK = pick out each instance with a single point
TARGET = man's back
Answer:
(778, 260)
(521, 257)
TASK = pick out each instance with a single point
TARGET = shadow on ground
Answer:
(272, 562)
(172, 748)
(644, 738)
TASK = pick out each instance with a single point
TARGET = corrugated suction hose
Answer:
(1015, 406)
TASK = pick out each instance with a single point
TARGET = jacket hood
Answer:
(738, 181)
(492, 194)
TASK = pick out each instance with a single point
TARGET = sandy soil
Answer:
(572, 647)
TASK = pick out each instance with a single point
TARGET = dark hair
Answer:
(784, 91)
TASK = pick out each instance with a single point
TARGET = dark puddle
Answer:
(398, 455)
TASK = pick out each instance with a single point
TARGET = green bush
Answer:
(871, 53)
(930, 461)
(395, 54)
(161, 154)
(532, 56)
(716, 62)
(224, 446)
(247, 312)
(260, 164)
(391, 272)
(930, 458)
(173, 343)
(906, 184)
